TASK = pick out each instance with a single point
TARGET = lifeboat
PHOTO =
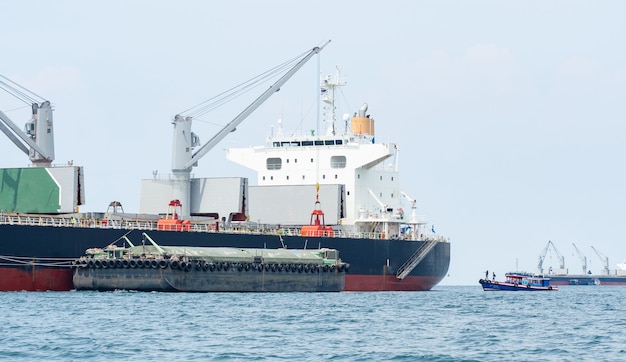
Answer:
(171, 222)
(316, 226)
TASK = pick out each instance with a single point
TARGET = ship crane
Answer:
(583, 259)
(383, 207)
(37, 140)
(185, 141)
(542, 257)
(605, 261)
(561, 269)
(413, 207)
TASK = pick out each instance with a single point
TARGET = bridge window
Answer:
(338, 162)
(274, 163)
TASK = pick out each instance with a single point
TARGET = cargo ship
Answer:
(588, 279)
(351, 182)
(561, 275)
(151, 267)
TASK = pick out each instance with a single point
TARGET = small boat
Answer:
(209, 269)
(518, 281)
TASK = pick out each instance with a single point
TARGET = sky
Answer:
(510, 116)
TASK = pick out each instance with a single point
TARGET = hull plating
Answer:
(232, 280)
(33, 278)
(373, 263)
(588, 280)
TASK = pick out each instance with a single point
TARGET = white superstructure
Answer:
(369, 170)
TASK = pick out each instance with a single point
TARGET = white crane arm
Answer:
(561, 258)
(382, 206)
(583, 259)
(412, 201)
(251, 108)
(17, 132)
(605, 260)
(542, 257)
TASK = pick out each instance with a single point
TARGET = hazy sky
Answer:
(509, 116)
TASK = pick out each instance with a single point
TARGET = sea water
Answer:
(576, 323)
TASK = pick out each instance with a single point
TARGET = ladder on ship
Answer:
(415, 259)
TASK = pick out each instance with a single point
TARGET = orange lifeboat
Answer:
(171, 222)
(316, 226)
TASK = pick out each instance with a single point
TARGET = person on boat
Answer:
(494, 277)
(487, 275)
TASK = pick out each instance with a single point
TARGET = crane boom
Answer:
(583, 259)
(383, 207)
(408, 198)
(542, 257)
(413, 206)
(253, 106)
(561, 258)
(605, 261)
(37, 140)
(185, 140)
(17, 132)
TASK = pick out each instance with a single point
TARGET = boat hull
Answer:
(502, 286)
(373, 262)
(170, 279)
(35, 278)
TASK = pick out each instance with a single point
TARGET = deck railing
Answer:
(202, 227)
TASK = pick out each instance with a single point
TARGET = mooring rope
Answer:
(8, 260)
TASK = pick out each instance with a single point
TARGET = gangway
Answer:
(415, 259)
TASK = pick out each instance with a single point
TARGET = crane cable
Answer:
(240, 89)
(19, 92)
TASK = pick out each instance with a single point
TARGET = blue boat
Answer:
(518, 281)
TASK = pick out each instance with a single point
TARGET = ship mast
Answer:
(329, 86)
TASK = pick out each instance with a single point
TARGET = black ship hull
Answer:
(38, 257)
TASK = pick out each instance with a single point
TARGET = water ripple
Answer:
(446, 324)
